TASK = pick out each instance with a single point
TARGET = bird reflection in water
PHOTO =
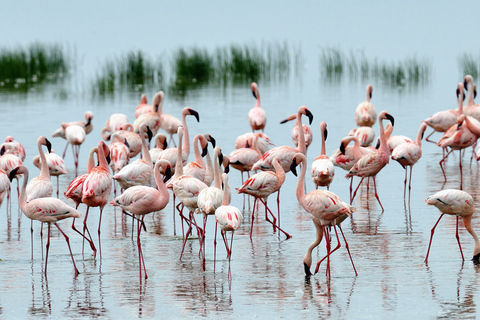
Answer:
(45, 307)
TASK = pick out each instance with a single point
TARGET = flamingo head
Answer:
(254, 88)
(476, 259)
(210, 139)
(194, 113)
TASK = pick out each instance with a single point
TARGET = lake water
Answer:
(267, 273)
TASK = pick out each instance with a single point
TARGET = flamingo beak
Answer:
(309, 115)
(254, 94)
(476, 259)
(227, 168)
(307, 270)
(293, 167)
(220, 158)
(325, 134)
(204, 151)
(342, 148)
(165, 144)
(213, 142)
(127, 144)
(150, 134)
(389, 117)
(195, 114)
(168, 174)
(284, 121)
(13, 173)
(49, 146)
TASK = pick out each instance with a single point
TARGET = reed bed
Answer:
(25, 66)
(334, 64)
(468, 64)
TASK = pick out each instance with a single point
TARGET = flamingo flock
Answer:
(145, 181)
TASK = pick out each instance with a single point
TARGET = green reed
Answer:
(468, 64)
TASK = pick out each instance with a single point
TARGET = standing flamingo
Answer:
(141, 200)
(371, 164)
(119, 152)
(19, 150)
(229, 218)
(257, 118)
(56, 166)
(260, 186)
(75, 135)
(87, 126)
(407, 154)
(326, 210)
(4, 185)
(323, 170)
(49, 210)
(97, 187)
(263, 141)
(41, 186)
(143, 106)
(307, 132)
(460, 204)
(113, 124)
(152, 118)
(365, 114)
(134, 140)
(243, 159)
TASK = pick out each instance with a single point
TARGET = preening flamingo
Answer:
(365, 114)
(152, 118)
(113, 124)
(141, 200)
(138, 172)
(134, 140)
(260, 186)
(87, 126)
(19, 150)
(49, 210)
(263, 141)
(161, 144)
(55, 163)
(229, 218)
(408, 153)
(119, 152)
(197, 168)
(243, 159)
(307, 131)
(257, 117)
(460, 204)
(171, 153)
(371, 164)
(323, 170)
(326, 210)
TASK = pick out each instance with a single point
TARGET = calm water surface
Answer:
(267, 273)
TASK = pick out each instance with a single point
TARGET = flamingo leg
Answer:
(458, 240)
(99, 225)
(92, 246)
(141, 260)
(335, 249)
(31, 236)
(431, 237)
(405, 184)
(274, 222)
(69, 248)
(253, 216)
(348, 249)
(65, 151)
(267, 208)
(356, 189)
(278, 206)
(426, 139)
(441, 164)
(230, 257)
(461, 171)
(376, 194)
(215, 246)
(47, 246)
(410, 185)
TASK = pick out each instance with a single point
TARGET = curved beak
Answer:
(293, 167)
(49, 146)
(389, 117)
(342, 148)
(195, 114)
(309, 115)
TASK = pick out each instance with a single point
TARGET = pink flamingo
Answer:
(168, 123)
(119, 152)
(263, 141)
(243, 159)
(19, 150)
(138, 172)
(55, 163)
(97, 187)
(471, 109)
(365, 114)
(153, 118)
(257, 118)
(371, 164)
(197, 168)
(395, 141)
(208, 161)
(326, 210)
(307, 132)
(161, 144)
(4, 185)
(366, 135)
(171, 153)
(228, 218)
(86, 125)
(260, 186)
(323, 170)
(8, 162)
(49, 210)
(75, 135)
(134, 140)
(143, 106)
(41, 186)
(407, 154)
(142, 200)
(113, 124)
(460, 204)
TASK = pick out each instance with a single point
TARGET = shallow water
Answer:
(268, 279)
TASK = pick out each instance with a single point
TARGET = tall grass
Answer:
(468, 64)
(334, 64)
(33, 64)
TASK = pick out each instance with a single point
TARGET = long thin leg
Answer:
(215, 246)
(92, 246)
(441, 164)
(69, 248)
(356, 189)
(376, 195)
(461, 171)
(431, 237)
(65, 151)
(99, 225)
(458, 240)
(405, 184)
(426, 139)
(141, 260)
(348, 249)
(47, 249)
(410, 185)
(268, 209)
(278, 206)
(253, 216)
(31, 236)
(335, 249)
(230, 257)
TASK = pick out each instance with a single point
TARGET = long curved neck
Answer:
(161, 187)
(21, 200)
(323, 151)
(102, 161)
(467, 221)
(300, 192)
(91, 160)
(383, 139)
(44, 171)
(308, 257)
(179, 163)
(145, 153)
(419, 136)
(472, 127)
(225, 201)
(301, 137)
(357, 154)
(470, 101)
(216, 168)
(186, 138)
(460, 103)
(279, 172)
(196, 150)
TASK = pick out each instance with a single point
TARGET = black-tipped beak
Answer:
(247, 145)
(342, 148)
(89, 121)
(156, 107)
(325, 134)
(307, 270)
(213, 142)
(309, 115)
(378, 144)
(165, 144)
(150, 134)
(2, 151)
(168, 174)
(284, 121)
(127, 144)
(227, 168)
(49, 146)
(13, 173)
(371, 94)
(293, 167)
(476, 259)
(195, 114)
(474, 93)
(458, 92)
(204, 151)
(109, 137)
(108, 158)
(220, 158)
(465, 85)
(254, 94)
(389, 117)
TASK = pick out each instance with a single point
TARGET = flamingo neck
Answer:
(460, 103)
(323, 151)
(300, 192)
(91, 161)
(472, 127)
(21, 200)
(102, 160)
(186, 138)
(225, 201)
(196, 150)
(279, 172)
(145, 153)
(301, 137)
(216, 169)
(467, 221)
(44, 171)
(383, 139)
(161, 187)
(179, 163)
(307, 260)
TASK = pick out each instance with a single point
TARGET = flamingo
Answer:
(257, 118)
(75, 135)
(139, 171)
(4, 185)
(260, 186)
(141, 200)
(119, 152)
(161, 144)
(228, 218)
(168, 123)
(323, 170)
(134, 140)
(19, 150)
(87, 126)
(208, 161)
(143, 106)
(197, 168)
(365, 114)
(153, 118)
(55, 163)
(171, 153)
(49, 210)
(113, 124)
(97, 187)
(263, 141)
(365, 135)
(471, 109)
(460, 204)
(371, 164)
(243, 159)
(307, 132)
(395, 141)
(8, 162)
(40, 187)
(407, 154)
(326, 210)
